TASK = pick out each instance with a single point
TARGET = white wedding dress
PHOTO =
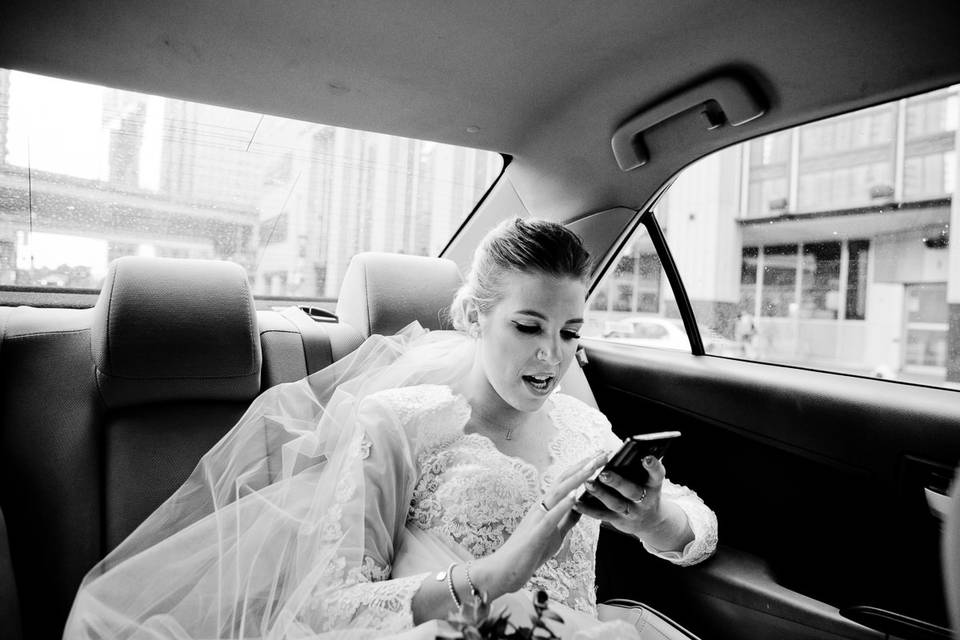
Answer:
(324, 509)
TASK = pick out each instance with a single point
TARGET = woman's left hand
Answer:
(631, 508)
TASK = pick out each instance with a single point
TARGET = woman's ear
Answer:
(472, 315)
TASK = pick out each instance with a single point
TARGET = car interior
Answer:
(822, 481)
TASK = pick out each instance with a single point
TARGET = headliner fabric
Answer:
(384, 292)
(166, 329)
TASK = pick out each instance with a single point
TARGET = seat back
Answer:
(105, 411)
(384, 292)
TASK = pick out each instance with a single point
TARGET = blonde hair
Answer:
(518, 246)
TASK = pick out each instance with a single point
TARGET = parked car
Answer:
(666, 334)
(795, 161)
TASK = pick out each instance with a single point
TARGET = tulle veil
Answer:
(271, 514)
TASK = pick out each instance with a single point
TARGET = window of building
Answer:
(748, 280)
(856, 278)
(927, 327)
(769, 174)
(779, 291)
(820, 280)
(90, 174)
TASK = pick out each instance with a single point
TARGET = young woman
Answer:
(422, 471)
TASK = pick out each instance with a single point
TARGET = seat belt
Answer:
(317, 351)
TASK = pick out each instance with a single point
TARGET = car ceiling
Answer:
(545, 82)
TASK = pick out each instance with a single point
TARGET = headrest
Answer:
(166, 329)
(384, 292)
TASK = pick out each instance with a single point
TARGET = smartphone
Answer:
(627, 462)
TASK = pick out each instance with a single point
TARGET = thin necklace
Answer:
(494, 426)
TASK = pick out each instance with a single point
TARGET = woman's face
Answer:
(537, 313)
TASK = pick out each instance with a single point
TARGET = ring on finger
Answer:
(643, 495)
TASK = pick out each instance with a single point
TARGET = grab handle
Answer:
(723, 99)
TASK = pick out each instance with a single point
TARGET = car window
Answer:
(633, 304)
(828, 246)
(89, 174)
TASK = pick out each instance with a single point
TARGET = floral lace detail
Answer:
(570, 575)
(478, 505)
(431, 414)
(362, 596)
(470, 493)
(365, 446)
(702, 521)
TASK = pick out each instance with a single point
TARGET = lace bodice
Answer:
(469, 493)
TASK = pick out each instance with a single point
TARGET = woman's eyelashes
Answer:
(534, 329)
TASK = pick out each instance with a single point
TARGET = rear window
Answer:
(89, 174)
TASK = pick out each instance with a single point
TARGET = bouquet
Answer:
(476, 622)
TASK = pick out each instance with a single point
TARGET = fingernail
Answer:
(648, 461)
(590, 484)
(604, 476)
(576, 507)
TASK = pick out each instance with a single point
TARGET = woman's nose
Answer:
(549, 352)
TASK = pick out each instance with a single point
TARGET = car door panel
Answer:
(818, 479)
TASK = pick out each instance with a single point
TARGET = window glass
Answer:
(89, 174)
(633, 304)
(827, 246)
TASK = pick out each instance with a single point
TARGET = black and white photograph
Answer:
(490, 320)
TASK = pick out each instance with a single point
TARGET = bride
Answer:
(418, 473)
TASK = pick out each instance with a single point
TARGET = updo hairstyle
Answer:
(518, 246)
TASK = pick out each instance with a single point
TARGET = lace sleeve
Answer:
(702, 520)
(364, 594)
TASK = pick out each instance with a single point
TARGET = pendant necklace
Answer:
(495, 427)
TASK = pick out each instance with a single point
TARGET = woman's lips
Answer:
(540, 384)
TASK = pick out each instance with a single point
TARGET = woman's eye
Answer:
(527, 328)
(570, 335)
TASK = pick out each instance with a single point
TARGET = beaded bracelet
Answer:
(473, 587)
(453, 591)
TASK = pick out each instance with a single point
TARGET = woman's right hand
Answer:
(538, 536)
